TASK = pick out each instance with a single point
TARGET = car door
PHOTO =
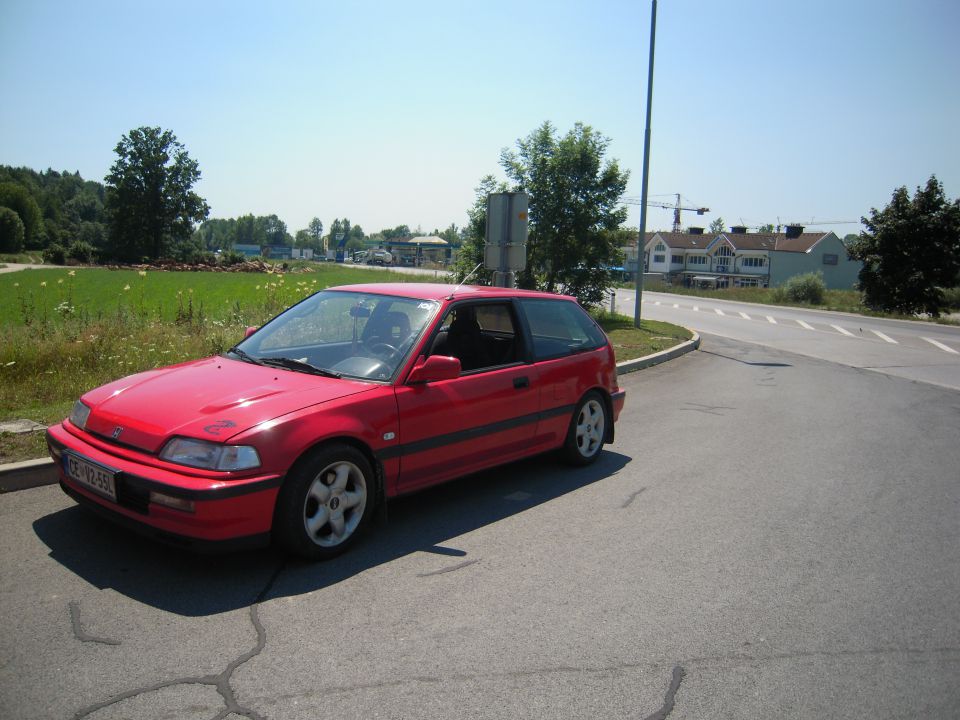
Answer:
(486, 416)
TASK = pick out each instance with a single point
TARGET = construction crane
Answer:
(811, 221)
(677, 227)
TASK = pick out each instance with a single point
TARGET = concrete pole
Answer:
(641, 240)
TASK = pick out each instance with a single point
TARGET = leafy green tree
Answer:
(575, 205)
(150, 201)
(910, 251)
(315, 230)
(766, 229)
(717, 226)
(18, 198)
(11, 231)
(471, 249)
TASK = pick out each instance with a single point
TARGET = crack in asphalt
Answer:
(78, 628)
(707, 409)
(449, 569)
(626, 503)
(221, 681)
(676, 678)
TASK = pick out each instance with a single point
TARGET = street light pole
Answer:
(641, 240)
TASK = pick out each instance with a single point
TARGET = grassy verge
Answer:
(652, 337)
(46, 365)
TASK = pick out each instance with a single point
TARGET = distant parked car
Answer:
(353, 396)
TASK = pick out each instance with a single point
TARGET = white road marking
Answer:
(720, 312)
(842, 330)
(884, 337)
(805, 325)
(941, 346)
(744, 316)
(771, 320)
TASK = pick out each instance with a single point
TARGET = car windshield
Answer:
(340, 334)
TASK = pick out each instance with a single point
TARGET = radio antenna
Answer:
(464, 281)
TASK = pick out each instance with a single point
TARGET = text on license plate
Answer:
(97, 478)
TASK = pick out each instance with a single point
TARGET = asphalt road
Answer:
(771, 535)
(921, 351)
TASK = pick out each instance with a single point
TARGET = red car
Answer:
(353, 396)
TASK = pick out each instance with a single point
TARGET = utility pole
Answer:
(641, 240)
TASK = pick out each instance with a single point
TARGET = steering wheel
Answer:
(383, 350)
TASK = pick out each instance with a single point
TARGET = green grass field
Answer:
(63, 331)
(95, 294)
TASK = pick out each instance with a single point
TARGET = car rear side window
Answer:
(560, 327)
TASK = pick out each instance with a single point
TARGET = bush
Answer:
(11, 231)
(951, 298)
(808, 288)
(232, 257)
(55, 254)
(82, 252)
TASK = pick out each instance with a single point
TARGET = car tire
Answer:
(587, 430)
(325, 503)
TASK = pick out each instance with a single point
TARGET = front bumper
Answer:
(227, 513)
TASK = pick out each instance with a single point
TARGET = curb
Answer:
(27, 474)
(36, 473)
(683, 348)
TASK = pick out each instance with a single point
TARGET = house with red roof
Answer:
(742, 259)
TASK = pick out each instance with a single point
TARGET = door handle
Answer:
(521, 382)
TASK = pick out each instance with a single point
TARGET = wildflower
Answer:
(43, 284)
(60, 281)
(12, 362)
(16, 284)
(72, 273)
(126, 287)
(142, 273)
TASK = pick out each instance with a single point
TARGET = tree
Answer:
(717, 226)
(767, 229)
(19, 199)
(910, 251)
(150, 201)
(11, 231)
(471, 249)
(315, 231)
(574, 208)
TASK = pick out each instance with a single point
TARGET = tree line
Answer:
(146, 209)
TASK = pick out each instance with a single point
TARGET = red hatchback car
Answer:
(353, 396)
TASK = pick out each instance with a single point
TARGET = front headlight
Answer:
(79, 415)
(210, 456)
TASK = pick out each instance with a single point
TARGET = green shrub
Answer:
(11, 231)
(807, 288)
(951, 298)
(82, 252)
(55, 254)
(232, 257)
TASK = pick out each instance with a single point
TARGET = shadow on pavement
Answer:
(173, 580)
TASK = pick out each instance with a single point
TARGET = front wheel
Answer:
(587, 430)
(325, 503)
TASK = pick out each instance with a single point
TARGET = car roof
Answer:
(440, 291)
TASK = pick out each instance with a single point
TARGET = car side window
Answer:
(560, 327)
(479, 335)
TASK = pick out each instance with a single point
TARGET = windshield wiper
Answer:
(244, 355)
(298, 365)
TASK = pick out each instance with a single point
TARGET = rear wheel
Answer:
(325, 503)
(587, 430)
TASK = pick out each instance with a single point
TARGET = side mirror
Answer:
(250, 331)
(434, 368)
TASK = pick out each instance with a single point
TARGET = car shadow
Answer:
(174, 580)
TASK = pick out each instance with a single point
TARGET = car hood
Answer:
(214, 399)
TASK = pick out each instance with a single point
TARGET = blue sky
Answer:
(391, 112)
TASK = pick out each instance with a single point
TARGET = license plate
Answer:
(95, 477)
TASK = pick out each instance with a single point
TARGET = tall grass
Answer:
(65, 331)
